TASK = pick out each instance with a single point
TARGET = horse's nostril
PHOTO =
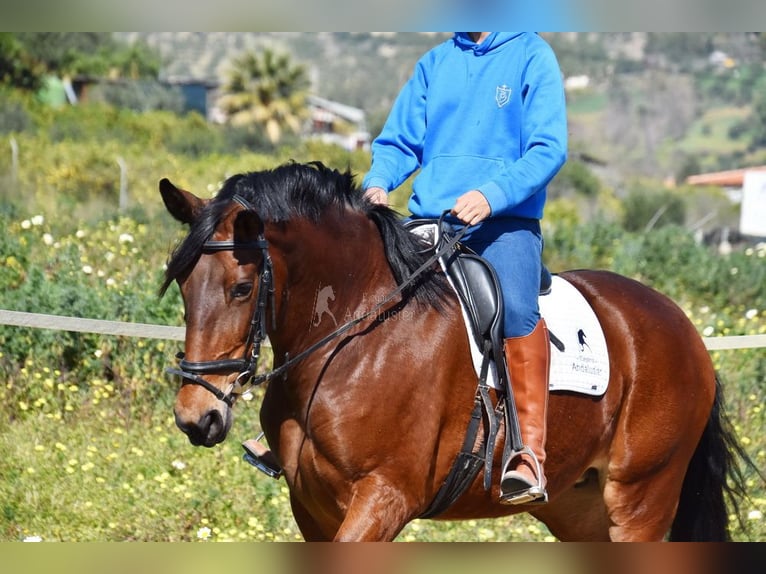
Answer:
(208, 431)
(214, 424)
(191, 430)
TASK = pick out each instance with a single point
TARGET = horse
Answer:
(366, 420)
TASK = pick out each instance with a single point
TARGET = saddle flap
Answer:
(472, 277)
(477, 285)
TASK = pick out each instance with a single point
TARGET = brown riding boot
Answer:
(528, 361)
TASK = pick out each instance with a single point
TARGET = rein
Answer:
(190, 371)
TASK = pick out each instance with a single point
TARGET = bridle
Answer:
(191, 371)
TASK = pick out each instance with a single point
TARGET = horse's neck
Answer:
(327, 274)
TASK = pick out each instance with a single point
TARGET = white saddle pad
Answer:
(583, 365)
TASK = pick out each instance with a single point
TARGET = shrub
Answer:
(13, 114)
(647, 208)
(577, 177)
(140, 96)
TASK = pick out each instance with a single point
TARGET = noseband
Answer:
(191, 371)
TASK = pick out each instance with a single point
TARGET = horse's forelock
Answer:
(188, 251)
(279, 194)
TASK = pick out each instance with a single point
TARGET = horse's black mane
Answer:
(297, 190)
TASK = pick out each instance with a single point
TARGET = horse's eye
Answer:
(241, 290)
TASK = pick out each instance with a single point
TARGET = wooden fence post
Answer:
(123, 183)
(14, 159)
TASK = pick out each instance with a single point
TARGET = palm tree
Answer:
(266, 89)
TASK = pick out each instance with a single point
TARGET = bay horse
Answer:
(366, 421)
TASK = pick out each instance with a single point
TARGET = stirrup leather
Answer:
(535, 493)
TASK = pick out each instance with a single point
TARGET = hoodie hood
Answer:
(491, 42)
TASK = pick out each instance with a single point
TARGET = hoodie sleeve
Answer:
(543, 137)
(398, 151)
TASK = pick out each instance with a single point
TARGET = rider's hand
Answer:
(472, 207)
(376, 195)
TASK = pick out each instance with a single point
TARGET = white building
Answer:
(337, 123)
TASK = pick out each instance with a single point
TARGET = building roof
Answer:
(349, 113)
(729, 178)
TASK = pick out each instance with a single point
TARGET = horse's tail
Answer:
(714, 477)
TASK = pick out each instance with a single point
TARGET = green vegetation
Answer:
(90, 448)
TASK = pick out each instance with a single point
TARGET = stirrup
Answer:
(266, 467)
(535, 494)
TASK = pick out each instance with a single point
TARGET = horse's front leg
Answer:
(310, 529)
(377, 513)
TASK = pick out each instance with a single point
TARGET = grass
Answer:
(99, 474)
(710, 133)
(586, 103)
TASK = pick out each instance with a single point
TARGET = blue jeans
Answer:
(514, 247)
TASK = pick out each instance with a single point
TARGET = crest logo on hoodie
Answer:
(502, 95)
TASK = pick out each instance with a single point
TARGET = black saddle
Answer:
(477, 286)
(475, 281)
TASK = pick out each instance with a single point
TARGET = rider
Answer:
(484, 119)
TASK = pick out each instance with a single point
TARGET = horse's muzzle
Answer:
(209, 430)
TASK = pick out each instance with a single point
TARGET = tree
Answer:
(134, 62)
(266, 90)
(57, 50)
(679, 50)
(648, 208)
(17, 68)
(759, 117)
(27, 57)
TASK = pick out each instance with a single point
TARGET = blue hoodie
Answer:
(459, 119)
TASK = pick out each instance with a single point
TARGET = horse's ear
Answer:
(183, 205)
(247, 226)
